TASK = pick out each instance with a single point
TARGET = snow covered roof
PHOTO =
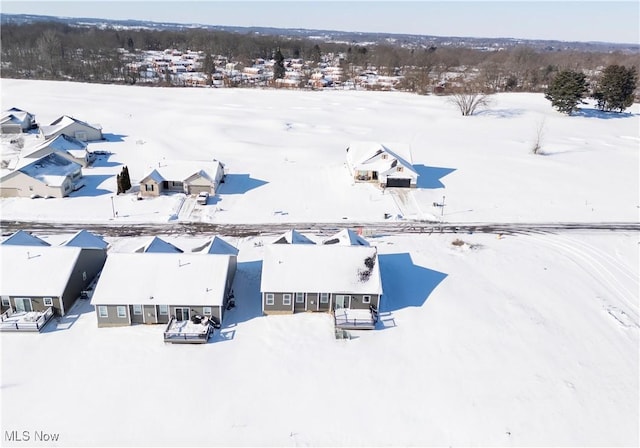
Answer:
(22, 238)
(162, 279)
(368, 156)
(157, 245)
(320, 268)
(60, 142)
(346, 237)
(62, 122)
(293, 237)
(87, 240)
(51, 169)
(182, 170)
(219, 246)
(29, 271)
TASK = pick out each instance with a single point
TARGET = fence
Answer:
(11, 320)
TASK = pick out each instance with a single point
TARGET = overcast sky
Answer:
(604, 21)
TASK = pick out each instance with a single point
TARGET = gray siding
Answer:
(90, 262)
(312, 301)
(150, 314)
(357, 302)
(37, 303)
(136, 318)
(324, 306)
(216, 311)
(112, 319)
(298, 307)
(277, 306)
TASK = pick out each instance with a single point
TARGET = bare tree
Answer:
(536, 148)
(469, 100)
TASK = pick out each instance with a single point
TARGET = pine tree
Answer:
(126, 180)
(566, 91)
(278, 67)
(616, 87)
(119, 184)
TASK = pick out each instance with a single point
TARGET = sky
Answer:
(583, 21)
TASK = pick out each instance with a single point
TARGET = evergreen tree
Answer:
(208, 67)
(566, 91)
(126, 180)
(119, 184)
(616, 87)
(278, 67)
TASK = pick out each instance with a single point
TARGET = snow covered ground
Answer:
(492, 341)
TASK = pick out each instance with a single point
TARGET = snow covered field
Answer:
(528, 340)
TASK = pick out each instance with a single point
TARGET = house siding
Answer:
(313, 300)
(80, 132)
(157, 188)
(112, 319)
(136, 318)
(21, 185)
(357, 302)
(277, 307)
(298, 307)
(90, 261)
(216, 311)
(150, 313)
(37, 303)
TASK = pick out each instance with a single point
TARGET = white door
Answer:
(23, 305)
(342, 301)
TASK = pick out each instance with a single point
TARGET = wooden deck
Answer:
(33, 321)
(187, 332)
(348, 319)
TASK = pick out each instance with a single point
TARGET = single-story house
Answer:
(35, 278)
(68, 147)
(305, 277)
(49, 176)
(72, 127)
(188, 177)
(293, 237)
(154, 288)
(16, 121)
(377, 163)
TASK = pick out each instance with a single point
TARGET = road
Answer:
(242, 230)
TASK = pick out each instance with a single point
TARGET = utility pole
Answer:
(113, 208)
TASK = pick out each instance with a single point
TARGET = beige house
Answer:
(68, 147)
(72, 127)
(188, 177)
(377, 163)
(49, 176)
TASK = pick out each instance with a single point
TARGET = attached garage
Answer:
(398, 182)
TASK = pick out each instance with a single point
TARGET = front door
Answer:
(342, 301)
(23, 305)
(182, 313)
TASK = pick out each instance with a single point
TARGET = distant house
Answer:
(331, 278)
(218, 246)
(346, 237)
(16, 121)
(159, 246)
(22, 238)
(50, 176)
(72, 127)
(164, 288)
(40, 277)
(68, 147)
(183, 177)
(377, 163)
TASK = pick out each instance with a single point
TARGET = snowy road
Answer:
(368, 228)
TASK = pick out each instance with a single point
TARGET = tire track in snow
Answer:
(605, 270)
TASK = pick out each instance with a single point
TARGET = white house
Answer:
(48, 176)
(15, 121)
(188, 177)
(293, 237)
(68, 147)
(377, 163)
(347, 237)
(72, 127)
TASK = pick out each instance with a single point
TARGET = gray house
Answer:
(68, 147)
(42, 277)
(157, 288)
(305, 277)
(188, 177)
(72, 127)
(16, 121)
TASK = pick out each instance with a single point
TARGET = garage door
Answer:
(391, 182)
(195, 189)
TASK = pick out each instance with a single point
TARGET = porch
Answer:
(354, 319)
(188, 331)
(35, 321)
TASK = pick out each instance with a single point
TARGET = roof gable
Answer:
(86, 240)
(157, 245)
(293, 237)
(185, 170)
(220, 247)
(22, 238)
(346, 237)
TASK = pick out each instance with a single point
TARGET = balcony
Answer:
(194, 331)
(34, 321)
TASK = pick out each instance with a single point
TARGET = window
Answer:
(164, 310)
(121, 311)
(400, 168)
(299, 297)
(148, 187)
(270, 299)
(366, 299)
(324, 297)
(6, 301)
(48, 301)
(102, 311)
(384, 157)
(137, 309)
(286, 299)
(206, 310)
(84, 276)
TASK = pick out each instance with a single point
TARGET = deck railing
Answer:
(9, 322)
(183, 337)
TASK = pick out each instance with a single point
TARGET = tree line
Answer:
(49, 50)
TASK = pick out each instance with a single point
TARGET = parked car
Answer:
(202, 198)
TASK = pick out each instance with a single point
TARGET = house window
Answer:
(84, 276)
(324, 297)
(48, 301)
(148, 187)
(121, 311)
(206, 310)
(384, 157)
(137, 309)
(102, 311)
(270, 299)
(286, 299)
(366, 299)
(299, 297)
(400, 168)
(6, 301)
(164, 310)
